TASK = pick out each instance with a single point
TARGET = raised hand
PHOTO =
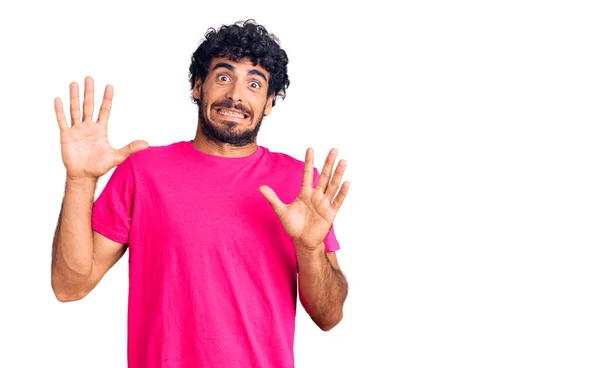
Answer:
(85, 149)
(308, 219)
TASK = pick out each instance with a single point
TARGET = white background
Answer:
(470, 236)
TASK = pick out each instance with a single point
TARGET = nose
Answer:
(235, 92)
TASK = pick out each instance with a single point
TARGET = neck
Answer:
(203, 144)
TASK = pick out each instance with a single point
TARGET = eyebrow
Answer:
(257, 72)
(232, 68)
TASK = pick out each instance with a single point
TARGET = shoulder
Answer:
(155, 155)
(284, 161)
(293, 167)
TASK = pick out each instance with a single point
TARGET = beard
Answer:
(228, 134)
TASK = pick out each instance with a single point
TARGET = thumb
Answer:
(130, 149)
(272, 198)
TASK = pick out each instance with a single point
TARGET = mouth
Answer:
(229, 113)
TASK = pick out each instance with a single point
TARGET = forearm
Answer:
(322, 288)
(72, 249)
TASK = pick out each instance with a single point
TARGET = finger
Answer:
(327, 169)
(309, 173)
(88, 99)
(273, 199)
(339, 199)
(60, 114)
(104, 113)
(336, 180)
(74, 99)
(129, 150)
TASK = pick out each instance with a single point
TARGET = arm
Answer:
(307, 221)
(322, 286)
(80, 256)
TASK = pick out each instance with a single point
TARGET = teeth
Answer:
(230, 113)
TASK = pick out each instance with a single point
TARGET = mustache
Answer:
(228, 104)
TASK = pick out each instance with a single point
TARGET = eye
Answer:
(254, 84)
(223, 78)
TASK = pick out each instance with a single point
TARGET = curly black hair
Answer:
(243, 40)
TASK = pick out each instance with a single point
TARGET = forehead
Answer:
(242, 66)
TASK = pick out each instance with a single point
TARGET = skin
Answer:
(237, 88)
(307, 220)
(81, 256)
(241, 85)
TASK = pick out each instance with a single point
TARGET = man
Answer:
(219, 229)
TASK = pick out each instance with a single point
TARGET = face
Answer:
(233, 101)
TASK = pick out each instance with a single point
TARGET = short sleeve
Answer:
(112, 211)
(331, 242)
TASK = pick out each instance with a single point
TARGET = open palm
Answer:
(86, 151)
(309, 217)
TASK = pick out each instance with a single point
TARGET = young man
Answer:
(220, 230)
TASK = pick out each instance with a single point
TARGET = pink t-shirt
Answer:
(212, 273)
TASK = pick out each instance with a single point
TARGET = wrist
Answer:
(309, 251)
(81, 183)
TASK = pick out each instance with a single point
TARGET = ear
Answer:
(269, 105)
(197, 88)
